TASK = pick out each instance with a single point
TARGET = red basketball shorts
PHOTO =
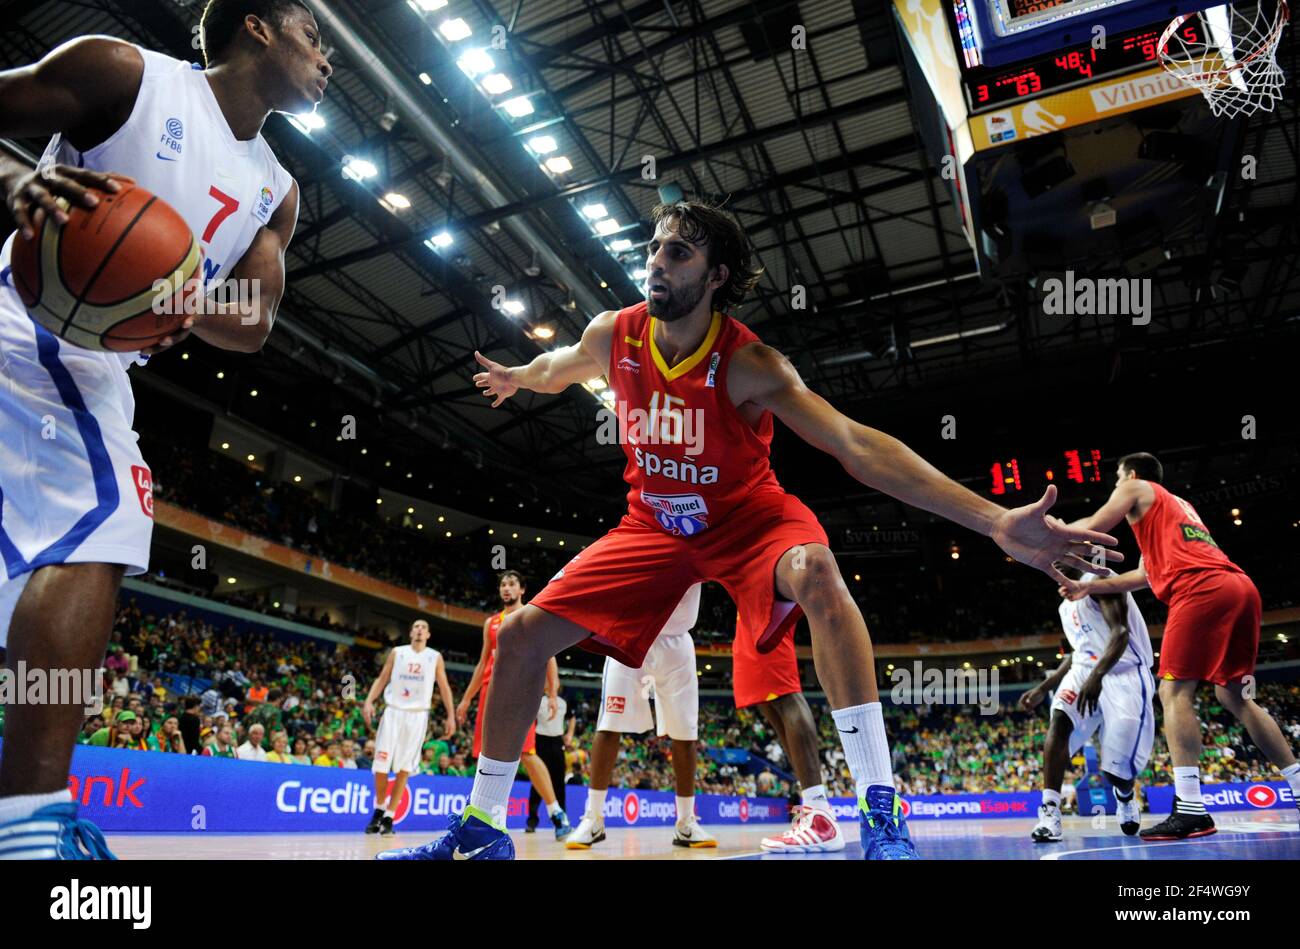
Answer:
(761, 677)
(625, 586)
(1212, 633)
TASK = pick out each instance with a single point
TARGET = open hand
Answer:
(1035, 538)
(495, 382)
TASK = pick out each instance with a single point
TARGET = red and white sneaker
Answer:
(813, 830)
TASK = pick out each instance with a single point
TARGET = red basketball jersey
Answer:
(691, 457)
(1175, 543)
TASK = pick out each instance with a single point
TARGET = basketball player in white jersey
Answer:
(407, 684)
(77, 509)
(668, 674)
(1106, 680)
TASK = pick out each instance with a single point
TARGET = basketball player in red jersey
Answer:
(105, 103)
(697, 392)
(1212, 633)
(511, 587)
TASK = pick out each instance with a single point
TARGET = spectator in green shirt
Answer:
(267, 714)
(428, 763)
(439, 748)
(125, 723)
(222, 744)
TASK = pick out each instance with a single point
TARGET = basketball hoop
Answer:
(1234, 62)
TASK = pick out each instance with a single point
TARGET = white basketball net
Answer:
(1236, 66)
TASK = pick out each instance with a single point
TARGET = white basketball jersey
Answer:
(178, 145)
(411, 686)
(1086, 629)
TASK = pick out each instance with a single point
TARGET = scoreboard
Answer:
(989, 87)
(997, 32)
(1074, 466)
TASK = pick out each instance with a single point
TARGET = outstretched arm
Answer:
(1111, 513)
(1120, 583)
(554, 371)
(761, 375)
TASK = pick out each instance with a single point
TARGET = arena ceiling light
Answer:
(396, 202)
(620, 245)
(307, 122)
(543, 332)
(595, 211)
(543, 144)
(454, 30)
(497, 83)
(607, 226)
(559, 165)
(476, 62)
(428, 6)
(439, 241)
(358, 169)
(426, 79)
(518, 107)
(513, 307)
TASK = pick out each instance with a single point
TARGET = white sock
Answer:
(21, 806)
(815, 796)
(596, 805)
(491, 791)
(389, 812)
(866, 750)
(1052, 797)
(1187, 785)
(1292, 775)
(685, 810)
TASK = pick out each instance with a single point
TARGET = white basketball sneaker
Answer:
(1048, 828)
(587, 834)
(813, 830)
(1129, 815)
(691, 834)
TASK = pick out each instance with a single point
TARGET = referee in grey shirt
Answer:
(550, 749)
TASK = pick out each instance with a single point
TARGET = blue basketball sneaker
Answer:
(53, 833)
(470, 836)
(561, 821)
(884, 828)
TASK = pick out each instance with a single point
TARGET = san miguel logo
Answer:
(1195, 532)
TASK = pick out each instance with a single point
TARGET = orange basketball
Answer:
(113, 278)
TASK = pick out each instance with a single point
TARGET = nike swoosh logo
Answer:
(491, 774)
(849, 731)
(457, 854)
(164, 157)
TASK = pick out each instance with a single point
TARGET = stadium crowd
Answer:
(180, 684)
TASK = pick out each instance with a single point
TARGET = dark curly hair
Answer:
(223, 20)
(700, 223)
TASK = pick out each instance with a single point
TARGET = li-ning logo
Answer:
(713, 370)
(630, 364)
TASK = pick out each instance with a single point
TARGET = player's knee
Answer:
(1125, 784)
(513, 641)
(817, 584)
(1231, 699)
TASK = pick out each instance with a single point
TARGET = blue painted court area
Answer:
(1242, 835)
